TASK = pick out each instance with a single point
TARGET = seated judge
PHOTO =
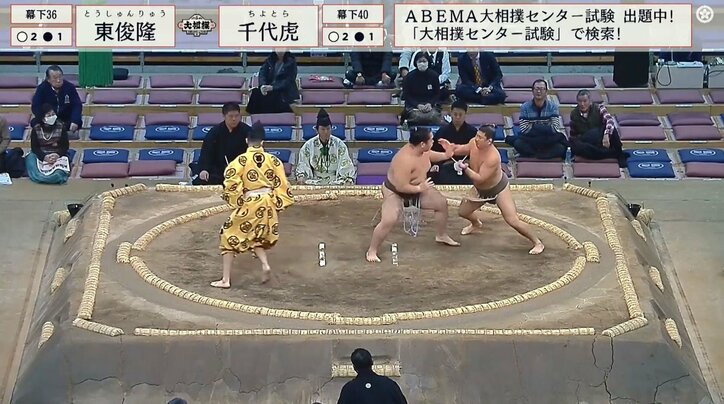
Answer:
(277, 88)
(370, 69)
(593, 134)
(62, 96)
(222, 144)
(4, 142)
(422, 94)
(480, 79)
(541, 128)
(324, 159)
(457, 132)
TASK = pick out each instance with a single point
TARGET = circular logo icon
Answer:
(375, 129)
(704, 14)
(380, 152)
(206, 129)
(647, 153)
(167, 129)
(105, 152)
(650, 166)
(160, 152)
(111, 129)
(11, 129)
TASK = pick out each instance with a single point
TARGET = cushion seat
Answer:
(176, 155)
(172, 81)
(689, 118)
(641, 133)
(650, 169)
(322, 97)
(309, 132)
(104, 170)
(222, 81)
(596, 170)
(520, 80)
(659, 155)
(151, 168)
(696, 132)
(704, 170)
(278, 132)
(12, 81)
(576, 81)
(701, 155)
(282, 154)
(370, 179)
(368, 118)
(376, 132)
(679, 96)
(130, 82)
(282, 119)
(630, 97)
(373, 168)
(219, 97)
(370, 97)
(539, 169)
(115, 97)
(91, 156)
(637, 119)
(321, 82)
(170, 97)
(376, 155)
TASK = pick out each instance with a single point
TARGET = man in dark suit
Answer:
(62, 96)
(369, 387)
(224, 142)
(480, 79)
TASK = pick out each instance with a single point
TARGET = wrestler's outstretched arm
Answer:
(436, 157)
(457, 149)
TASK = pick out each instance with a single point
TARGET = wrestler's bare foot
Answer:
(537, 249)
(221, 284)
(265, 274)
(447, 240)
(371, 256)
(472, 228)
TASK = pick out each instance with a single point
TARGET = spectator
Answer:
(369, 387)
(370, 69)
(480, 79)
(324, 159)
(457, 132)
(223, 143)
(62, 96)
(48, 162)
(541, 129)
(438, 61)
(4, 142)
(422, 94)
(593, 134)
(277, 85)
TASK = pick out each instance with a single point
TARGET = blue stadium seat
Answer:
(112, 132)
(167, 132)
(503, 156)
(376, 132)
(279, 133)
(499, 133)
(282, 154)
(701, 155)
(195, 156)
(17, 132)
(162, 154)
(105, 156)
(376, 155)
(651, 169)
(308, 131)
(659, 155)
(200, 132)
(71, 155)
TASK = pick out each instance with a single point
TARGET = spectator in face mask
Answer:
(422, 94)
(48, 163)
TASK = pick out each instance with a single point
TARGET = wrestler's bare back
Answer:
(409, 168)
(491, 158)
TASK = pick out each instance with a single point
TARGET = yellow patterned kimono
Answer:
(255, 184)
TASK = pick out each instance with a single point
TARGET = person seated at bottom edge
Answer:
(368, 386)
(593, 133)
(48, 162)
(256, 186)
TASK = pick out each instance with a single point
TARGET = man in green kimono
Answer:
(324, 159)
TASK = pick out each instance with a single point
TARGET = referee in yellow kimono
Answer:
(255, 184)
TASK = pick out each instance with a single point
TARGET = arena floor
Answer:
(687, 225)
